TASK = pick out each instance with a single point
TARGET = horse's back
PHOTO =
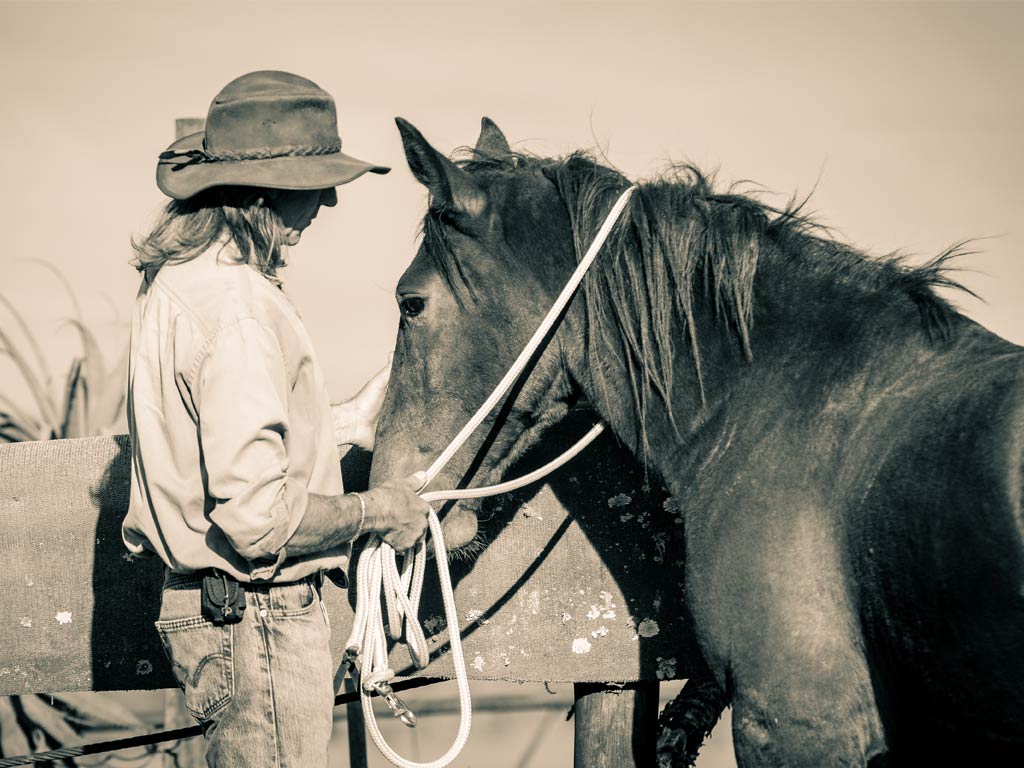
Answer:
(937, 551)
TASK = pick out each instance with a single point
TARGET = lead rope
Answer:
(378, 568)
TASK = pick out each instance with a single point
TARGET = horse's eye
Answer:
(412, 305)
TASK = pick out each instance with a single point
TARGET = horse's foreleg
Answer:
(775, 737)
(807, 711)
(687, 720)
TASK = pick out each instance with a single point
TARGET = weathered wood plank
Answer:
(356, 725)
(578, 582)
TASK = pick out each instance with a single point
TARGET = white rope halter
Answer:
(378, 567)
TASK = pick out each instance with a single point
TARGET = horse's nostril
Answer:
(424, 449)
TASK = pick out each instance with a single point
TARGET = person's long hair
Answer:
(187, 228)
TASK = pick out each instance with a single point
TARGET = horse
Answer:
(846, 447)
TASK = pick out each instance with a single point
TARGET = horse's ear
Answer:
(492, 141)
(451, 189)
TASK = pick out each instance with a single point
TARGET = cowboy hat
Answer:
(264, 129)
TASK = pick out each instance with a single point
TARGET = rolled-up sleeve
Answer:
(241, 395)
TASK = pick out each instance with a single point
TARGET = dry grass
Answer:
(92, 399)
(40, 722)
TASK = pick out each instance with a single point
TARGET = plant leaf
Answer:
(47, 408)
(75, 402)
(93, 397)
(12, 433)
(94, 710)
(107, 398)
(22, 420)
(13, 740)
(63, 281)
(48, 718)
(91, 351)
(30, 337)
(91, 377)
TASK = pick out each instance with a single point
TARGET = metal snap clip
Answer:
(398, 707)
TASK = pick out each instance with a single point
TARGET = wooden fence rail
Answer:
(580, 583)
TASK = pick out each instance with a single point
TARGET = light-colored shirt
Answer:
(230, 424)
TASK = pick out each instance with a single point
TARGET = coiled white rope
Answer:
(378, 567)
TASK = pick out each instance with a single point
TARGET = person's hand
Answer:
(355, 420)
(396, 513)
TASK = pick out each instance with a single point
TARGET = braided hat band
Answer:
(199, 156)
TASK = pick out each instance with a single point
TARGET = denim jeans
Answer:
(263, 688)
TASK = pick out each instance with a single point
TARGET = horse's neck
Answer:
(813, 340)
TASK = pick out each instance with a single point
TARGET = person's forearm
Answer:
(329, 521)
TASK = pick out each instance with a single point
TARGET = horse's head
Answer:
(497, 247)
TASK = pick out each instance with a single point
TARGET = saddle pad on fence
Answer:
(580, 581)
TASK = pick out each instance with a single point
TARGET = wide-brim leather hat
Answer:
(264, 129)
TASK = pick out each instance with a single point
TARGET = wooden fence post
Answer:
(616, 724)
(356, 726)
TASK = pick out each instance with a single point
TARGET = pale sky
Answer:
(909, 118)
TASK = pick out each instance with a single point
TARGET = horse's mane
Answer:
(680, 238)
